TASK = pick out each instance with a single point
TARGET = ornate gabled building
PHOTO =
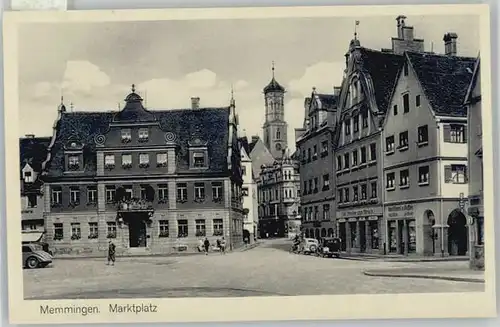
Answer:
(33, 151)
(368, 81)
(153, 181)
(249, 193)
(314, 143)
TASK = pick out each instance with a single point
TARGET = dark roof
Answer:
(274, 86)
(383, 68)
(244, 144)
(444, 79)
(252, 144)
(134, 111)
(329, 101)
(207, 124)
(33, 151)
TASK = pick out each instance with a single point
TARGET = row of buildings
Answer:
(390, 161)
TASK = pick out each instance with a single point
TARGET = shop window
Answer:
(111, 229)
(200, 228)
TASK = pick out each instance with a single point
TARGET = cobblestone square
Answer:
(267, 270)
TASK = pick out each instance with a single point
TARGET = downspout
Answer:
(382, 188)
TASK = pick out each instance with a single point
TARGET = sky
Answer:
(93, 65)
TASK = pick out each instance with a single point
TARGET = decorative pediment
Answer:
(197, 143)
(73, 144)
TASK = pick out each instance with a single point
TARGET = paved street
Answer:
(265, 270)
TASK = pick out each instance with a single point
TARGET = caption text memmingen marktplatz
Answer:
(85, 310)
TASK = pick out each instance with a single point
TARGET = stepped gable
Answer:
(444, 79)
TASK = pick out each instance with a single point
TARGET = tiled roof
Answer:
(444, 79)
(33, 150)
(252, 144)
(383, 68)
(329, 101)
(207, 124)
(274, 86)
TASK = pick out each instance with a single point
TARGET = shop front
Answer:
(401, 229)
(360, 230)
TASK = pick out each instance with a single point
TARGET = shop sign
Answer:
(352, 220)
(373, 218)
(362, 219)
(342, 220)
(400, 212)
(359, 213)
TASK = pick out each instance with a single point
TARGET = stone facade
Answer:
(147, 186)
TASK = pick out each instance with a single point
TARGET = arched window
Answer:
(278, 133)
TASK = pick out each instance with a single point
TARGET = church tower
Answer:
(275, 127)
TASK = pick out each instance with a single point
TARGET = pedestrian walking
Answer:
(223, 246)
(219, 245)
(200, 246)
(111, 253)
(207, 245)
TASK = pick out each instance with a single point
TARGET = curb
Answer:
(388, 259)
(249, 247)
(454, 279)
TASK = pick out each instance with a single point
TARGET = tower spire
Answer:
(356, 23)
(232, 101)
(133, 88)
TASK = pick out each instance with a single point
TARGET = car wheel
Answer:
(313, 248)
(32, 262)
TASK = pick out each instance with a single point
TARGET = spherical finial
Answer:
(133, 88)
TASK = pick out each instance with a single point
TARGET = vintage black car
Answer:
(330, 247)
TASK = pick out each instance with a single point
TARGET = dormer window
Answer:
(143, 135)
(28, 177)
(199, 160)
(126, 135)
(143, 160)
(126, 160)
(73, 162)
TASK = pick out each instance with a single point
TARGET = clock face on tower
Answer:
(278, 146)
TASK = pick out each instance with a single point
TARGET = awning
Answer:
(30, 237)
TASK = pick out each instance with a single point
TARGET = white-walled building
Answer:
(425, 159)
(249, 194)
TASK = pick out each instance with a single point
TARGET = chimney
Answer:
(30, 136)
(401, 26)
(195, 103)
(336, 90)
(450, 44)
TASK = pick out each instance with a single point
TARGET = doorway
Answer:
(342, 236)
(362, 236)
(429, 233)
(137, 233)
(457, 233)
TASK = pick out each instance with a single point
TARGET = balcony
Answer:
(135, 205)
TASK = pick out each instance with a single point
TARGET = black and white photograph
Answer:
(237, 157)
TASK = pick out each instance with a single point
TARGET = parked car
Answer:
(330, 247)
(309, 246)
(35, 257)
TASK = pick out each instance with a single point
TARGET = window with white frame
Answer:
(111, 229)
(110, 194)
(91, 195)
(455, 133)
(403, 140)
(126, 135)
(143, 134)
(218, 226)
(200, 227)
(326, 212)
(73, 162)
(93, 230)
(182, 228)
(143, 160)
(389, 144)
(181, 192)
(199, 191)
(76, 231)
(109, 160)
(161, 159)
(163, 228)
(162, 193)
(355, 193)
(28, 177)
(363, 191)
(390, 177)
(423, 175)
(456, 174)
(404, 178)
(126, 160)
(56, 196)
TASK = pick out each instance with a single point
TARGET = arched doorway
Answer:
(330, 232)
(323, 232)
(316, 233)
(430, 235)
(246, 236)
(457, 233)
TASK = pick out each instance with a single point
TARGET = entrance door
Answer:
(362, 236)
(137, 233)
(401, 237)
(457, 233)
(343, 237)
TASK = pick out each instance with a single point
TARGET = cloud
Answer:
(83, 77)
(323, 75)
